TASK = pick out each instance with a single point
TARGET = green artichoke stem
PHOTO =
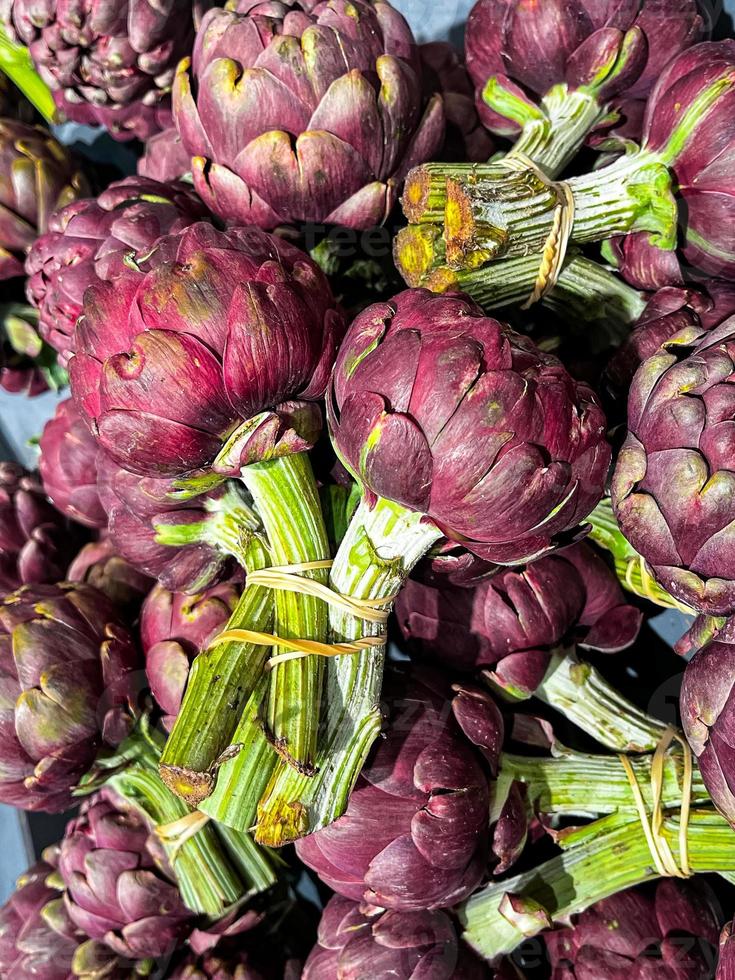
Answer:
(221, 681)
(630, 567)
(490, 212)
(207, 878)
(585, 293)
(230, 527)
(582, 785)
(553, 137)
(382, 544)
(287, 499)
(602, 858)
(15, 62)
(580, 692)
(242, 779)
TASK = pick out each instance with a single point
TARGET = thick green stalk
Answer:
(220, 683)
(489, 212)
(286, 495)
(230, 526)
(381, 546)
(553, 134)
(242, 779)
(630, 567)
(255, 864)
(580, 692)
(603, 858)
(15, 62)
(578, 784)
(585, 293)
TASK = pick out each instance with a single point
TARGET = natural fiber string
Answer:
(289, 579)
(298, 648)
(555, 247)
(663, 857)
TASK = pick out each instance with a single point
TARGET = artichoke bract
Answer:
(451, 413)
(688, 125)
(70, 674)
(622, 937)
(90, 240)
(181, 539)
(108, 63)
(355, 941)
(672, 489)
(513, 621)
(68, 466)
(97, 565)
(304, 111)
(36, 542)
(213, 332)
(174, 627)
(415, 834)
(165, 157)
(118, 888)
(668, 311)
(36, 936)
(37, 176)
(706, 703)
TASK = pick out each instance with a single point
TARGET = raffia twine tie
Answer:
(555, 247)
(663, 857)
(289, 578)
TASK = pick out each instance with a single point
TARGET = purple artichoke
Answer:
(169, 535)
(444, 71)
(513, 620)
(707, 704)
(672, 490)
(36, 937)
(108, 62)
(165, 157)
(117, 889)
(39, 940)
(415, 834)
(36, 543)
(37, 176)
(122, 583)
(69, 676)
(689, 125)
(68, 466)
(213, 330)
(668, 311)
(357, 942)
(610, 48)
(173, 629)
(90, 240)
(304, 111)
(635, 935)
(451, 413)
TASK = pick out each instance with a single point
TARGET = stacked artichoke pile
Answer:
(396, 405)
